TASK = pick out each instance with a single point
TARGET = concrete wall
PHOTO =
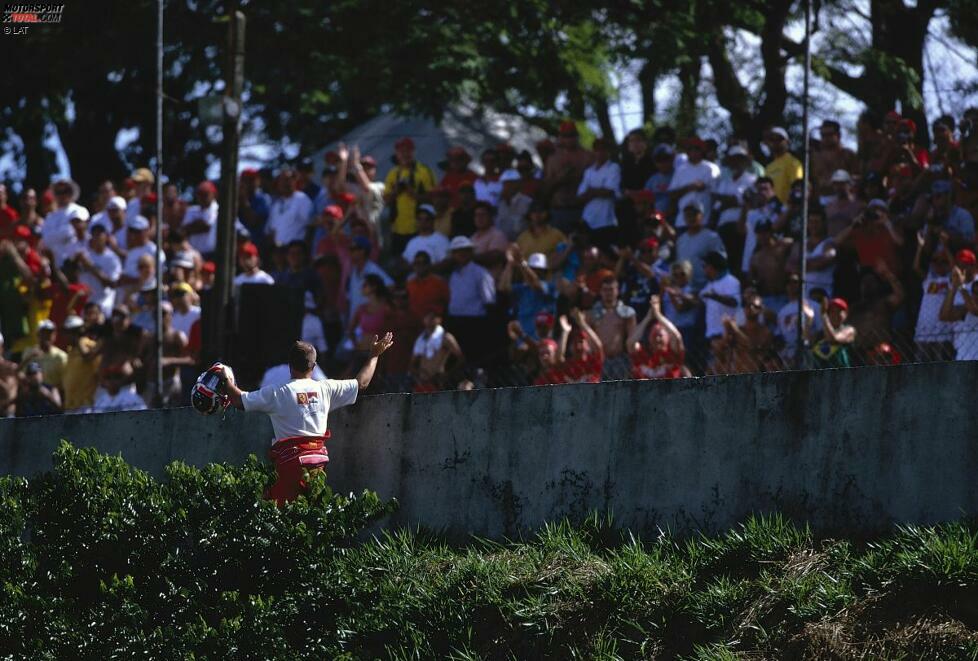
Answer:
(843, 449)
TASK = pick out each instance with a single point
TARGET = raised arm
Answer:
(378, 347)
(588, 331)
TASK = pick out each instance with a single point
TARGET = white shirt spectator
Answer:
(511, 216)
(205, 242)
(313, 332)
(685, 174)
(52, 231)
(259, 278)
(184, 321)
(471, 289)
(487, 191)
(109, 264)
(726, 285)
(965, 332)
(600, 212)
(279, 375)
(289, 217)
(736, 187)
(788, 326)
(66, 245)
(822, 278)
(134, 208)
(131, 265)
(300, 407)
(127, 399)
(930, 328)
(435, 244)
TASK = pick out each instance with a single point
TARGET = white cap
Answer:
(461, 243)
(182, 261)
(737, 150)
(73, 321)
(138, 223)
(117, 202)
(428, 209)
(777, 130)
(46, 324)
(841, 176)
(509, 175)
(537, 261)
(75, 211)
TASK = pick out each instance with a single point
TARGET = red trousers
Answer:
(293, 457)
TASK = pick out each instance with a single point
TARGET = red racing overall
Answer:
(292, 457)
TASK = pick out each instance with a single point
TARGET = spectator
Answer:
(694, 181)
(829, 158)
(513, 205)
(9, 216)
(679, 302)
(254, 204)
(427, 292)
(540, 237)
(873, 237)
(955, 220)
(250, 265)
(360, 267)
(174, 358)
(142, 180)
(637, 162)
(441, 201)
(534, 294)
(664, 354)
(597, 192)
(126, 342)
(697, 242)
(185, 312)
(787, 329)
(747, 347)
(721, 296)
(297, 274)
(820, 258)
(457, 171)
(613, 321)
(658, 182)
(433, 350)
(946, 153)
(767, 266)
(373, 316)
(115, 392)
(960, 306)
(137, 236)
(51, 359)
(174, 208)
(766, 207)
(833, 350)
(35, 396)
(70, 239)
(639, 274)
(100, 269)
(427, 239)
(463, 217)
(406, 186)
(728, 200)
(29, 215)
(530, 175)
(471, 292)
(586, 360)
(200, 221)
(784, 169)
(843, 207)
(81, 368)
(312, 325)
(562, 175)
(487, 239)
(290, 213)
(487, 185)
(933, 337)
(370, 192)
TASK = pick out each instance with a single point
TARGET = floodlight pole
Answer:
(159, 204)
(803, 274)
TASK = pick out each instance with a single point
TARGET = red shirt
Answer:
(429, 294)
(8, 218)
(587, 370)
(662, 364)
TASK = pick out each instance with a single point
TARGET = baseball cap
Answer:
(72, 322)
(249, 173)
(138, 223)
(509, 175)
(663, 150)
(117, 202)
(841, 176)
(426, 208)
(46, 325)
(403, 143)
(461, 243)
(78, 213)
(698, 207)
(716, 260)
(209, 267)
(182, 262)
(207, 187)
(940, 187)
(839, 303)
(778, 131)
(33, 367)
(651, 243)
(368, 160)
(537, 261)
(333, 211)
(361, 242)
(694, 142)
(180, 289)
(877, 203)
(23, 232)
(965, 256)
(737, 150)
(544, 318)
(248, 248)
(143, 176)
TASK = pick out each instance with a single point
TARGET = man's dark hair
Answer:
(664, 134)
(300, 244)
(946, 120)
(176, 236)
(871, 118)
(423, 253)
(302, 357)
(763, 180)
(640, 132)
(832, 124)
(481, 204)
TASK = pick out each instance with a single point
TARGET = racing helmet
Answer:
(208, 396)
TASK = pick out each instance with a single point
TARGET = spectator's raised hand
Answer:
(957, 277)
(514, 330)
(343, 152)
(578, 317)
(655, 304)
(565, 324)
(356, 155)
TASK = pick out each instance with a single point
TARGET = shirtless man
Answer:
(431, 353)
(767, 266)
(748, 346)
(299, 410)
(613, 321)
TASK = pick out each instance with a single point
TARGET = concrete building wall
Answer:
(852, 450)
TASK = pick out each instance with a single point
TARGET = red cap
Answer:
(650, 243)
(545, 144)
(128, 183)
(209, 267)
(544, 318)
(567, 127)
(248, 248)
(333, 211)
(149, 198)
(346, 198)
(458, 152)
(331, 157)
(694, 141)
(368, 160)
(839, 303)
(23, 232)
(893, 114)
(548, 342)
(404, 142)
(909, 125)
(249, 173)
(207, 187)
(966, 257)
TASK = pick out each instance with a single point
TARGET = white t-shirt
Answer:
(289, 217)
(184, 321)
(487, 191)
(435, 244)
(204, 242)
(930, 328)
(788, 325)
(279, 375)
(300, 407)
(600, 212)
(134, 208)
(131, 267)
(822, 278)
(736, 187)
(726, 285)
(109, 264)
(687, 173)
(259, 278)
(55, 221)
(126, 399)
(965, 333)
(313, 332)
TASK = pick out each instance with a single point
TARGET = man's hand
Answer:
(565, 324)
(655, 304)
(381, 345)
(957, 277)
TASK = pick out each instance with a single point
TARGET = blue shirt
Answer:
(960, 222)
(528, 302)
(471, 290)
(658, 183)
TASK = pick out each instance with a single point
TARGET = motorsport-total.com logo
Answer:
(19, 17)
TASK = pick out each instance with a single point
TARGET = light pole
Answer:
(802, 345)
(159, 203)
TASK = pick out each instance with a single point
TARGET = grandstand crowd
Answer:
(661, 257)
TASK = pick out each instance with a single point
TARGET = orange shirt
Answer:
(426, 295)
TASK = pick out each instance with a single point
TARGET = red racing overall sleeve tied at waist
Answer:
(292, 457)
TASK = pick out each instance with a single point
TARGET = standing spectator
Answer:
(487, 240)
(680, 305)
(441, 200)
(8, 384)
(9, 216)
(873, 237)
(829, 158)
(955, 220)
(81, 368)
(787, 329)
(51, 359)
(664, 355)
(200, 221)
(946, 152)
(36, 395)
(471, 292)
(113, 219)
(312, 325)
(250, 264)
(784, 169)
(370, 192)
(115, 392)
(833, 350)
(767, 208)
(658, 182)
(933, 337)
(487, 185)
(143, 181)
(697, 242)
(960, 306)
(534, 294)
(820, 258)
(405, 187)
(253, 203)
(100, 269)
(427, 292)
(174, 208)
(137, 236)
(728, 200)
(767, 266)
(613, 321)
(430, 356)
(540, 237)
(597, 192)
(562, 174)
(290, 213)
(185, 313)
(694, 180)
(513, 205)
(721, 296)
(297, 273)
(29, 214)
(639, 274)
(457, 171)
(637, 162)
(530, 175)
(427, 239)
(843, 207)
(463, 217)
(748, 347)
(71, 239)
(373, 316)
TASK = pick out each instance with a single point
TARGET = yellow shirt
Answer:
(53, 363)
(81, 376)
(784, 171)
(421, 181)
(546, 242)
(443, 223)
